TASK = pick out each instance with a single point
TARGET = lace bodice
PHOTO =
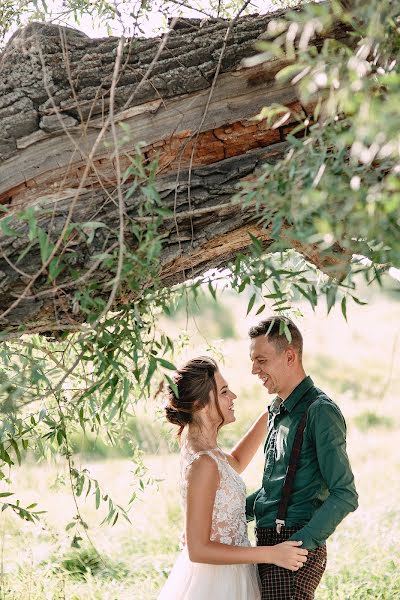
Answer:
(229, 517)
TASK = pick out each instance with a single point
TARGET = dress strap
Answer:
(197, 455)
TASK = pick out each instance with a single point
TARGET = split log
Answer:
(185, 97)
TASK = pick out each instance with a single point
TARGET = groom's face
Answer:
(269, 364)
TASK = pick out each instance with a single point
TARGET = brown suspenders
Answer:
(291, 471)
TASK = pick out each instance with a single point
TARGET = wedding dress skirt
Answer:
(198, 581)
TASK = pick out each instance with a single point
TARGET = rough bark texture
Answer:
(54, 99)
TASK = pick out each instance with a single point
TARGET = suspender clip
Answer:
(279, 524)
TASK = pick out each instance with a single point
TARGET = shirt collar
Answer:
(275, 405)
(298, 393)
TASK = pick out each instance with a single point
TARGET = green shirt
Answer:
(323, 491)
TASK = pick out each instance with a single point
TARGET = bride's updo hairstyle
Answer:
(194, 382)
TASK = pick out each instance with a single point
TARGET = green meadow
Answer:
(357, 363)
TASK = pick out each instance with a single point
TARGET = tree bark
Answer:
(58, 156)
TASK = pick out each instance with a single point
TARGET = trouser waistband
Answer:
(268, 536)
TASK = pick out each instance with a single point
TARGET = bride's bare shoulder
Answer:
(203, 468)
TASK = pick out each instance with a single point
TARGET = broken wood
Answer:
(55, 92)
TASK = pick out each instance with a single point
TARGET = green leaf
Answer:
(257, 244)
(212, 290)
(108, 399)
(260, 310)
(46, 246)
(344, 307)
(150, 371)
(166, 364)
(29, 216)
(358, 301)
(81, 418)
(76, 540)
(5, 456)
(287, 333)
(5, 227)
(276, 227)
(79, 485)
(127, 387)
(89, 487)
(16, 450)
(98, 496)
(331, 297)
(251, 303)
(6, 494)
(60, 436)
(89, 228)
(173, 385)
(55, 268)
(309, 296)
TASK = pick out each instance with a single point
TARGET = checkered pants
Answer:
(281, 584)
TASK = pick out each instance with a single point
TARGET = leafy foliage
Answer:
(340, 185)
(85, 562)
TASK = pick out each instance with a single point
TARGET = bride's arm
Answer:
(203, 481)
(245, 449)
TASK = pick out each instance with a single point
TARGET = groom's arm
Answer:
(327, 429)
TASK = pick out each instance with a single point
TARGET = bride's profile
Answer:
(217, 560)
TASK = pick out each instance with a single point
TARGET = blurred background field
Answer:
(357, 363)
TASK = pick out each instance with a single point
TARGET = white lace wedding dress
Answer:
(198, 581)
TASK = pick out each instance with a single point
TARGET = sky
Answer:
(153, 24)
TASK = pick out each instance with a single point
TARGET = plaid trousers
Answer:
(278, 583)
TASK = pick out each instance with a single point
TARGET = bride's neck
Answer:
(201, 439)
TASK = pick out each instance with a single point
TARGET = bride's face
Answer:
(226, 402)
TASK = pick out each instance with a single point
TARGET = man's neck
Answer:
(285, 393)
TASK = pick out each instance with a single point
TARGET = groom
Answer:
(307, 486)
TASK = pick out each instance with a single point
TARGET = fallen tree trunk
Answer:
(185, 98)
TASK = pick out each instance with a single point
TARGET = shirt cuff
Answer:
(308, 541)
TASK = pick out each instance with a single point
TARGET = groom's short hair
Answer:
(276, 328)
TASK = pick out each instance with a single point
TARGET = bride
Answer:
(217, 560)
